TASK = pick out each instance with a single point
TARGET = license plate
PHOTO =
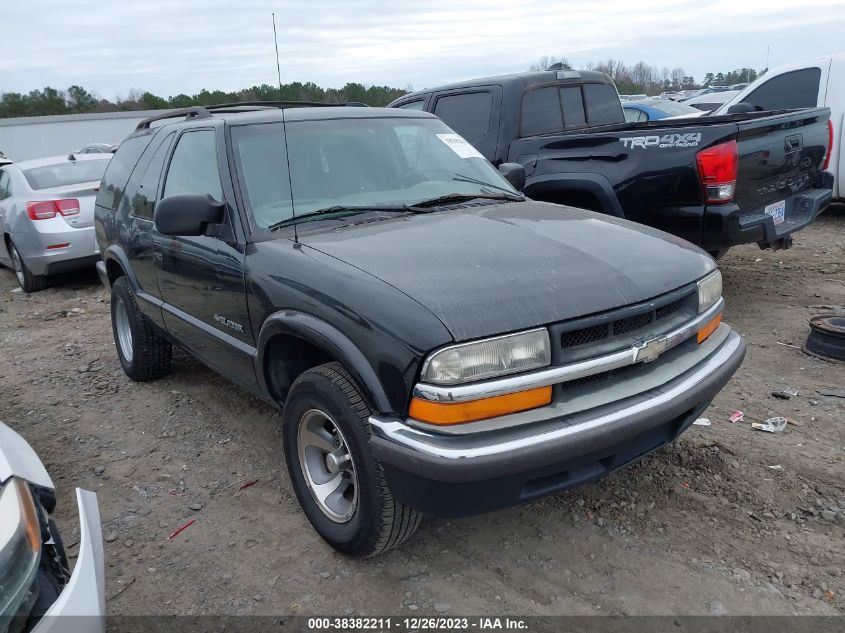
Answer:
(777, 210)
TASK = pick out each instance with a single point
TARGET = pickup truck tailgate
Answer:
(780, 168)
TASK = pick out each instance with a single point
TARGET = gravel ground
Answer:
(726, 520)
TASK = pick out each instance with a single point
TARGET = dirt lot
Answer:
(705, 526)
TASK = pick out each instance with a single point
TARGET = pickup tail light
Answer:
(717, 169)
(48, 209)
(829, 145)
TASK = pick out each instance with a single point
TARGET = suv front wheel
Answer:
(144, 354)
(339, 484)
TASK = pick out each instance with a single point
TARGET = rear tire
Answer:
(28, 281)
(717, 255)
(143, 353)
(324, 416)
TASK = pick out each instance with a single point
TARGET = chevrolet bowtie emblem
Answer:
(647, 351)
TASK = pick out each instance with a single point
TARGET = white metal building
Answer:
(23, 138)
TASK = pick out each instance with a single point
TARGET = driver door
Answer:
(201, 278)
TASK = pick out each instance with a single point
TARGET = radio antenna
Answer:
(278, 65)
(284, 129)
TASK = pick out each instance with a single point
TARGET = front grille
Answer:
(618, 327)
(668, 310)
(584, 336)
(623, 326)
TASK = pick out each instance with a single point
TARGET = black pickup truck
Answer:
(438, 343)
(715, 181)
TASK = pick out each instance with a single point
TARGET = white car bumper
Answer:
(81, 606)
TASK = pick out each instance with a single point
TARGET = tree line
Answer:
(78, 100)
(638, 78)
(643, 78)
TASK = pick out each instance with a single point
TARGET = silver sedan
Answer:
(47, 216)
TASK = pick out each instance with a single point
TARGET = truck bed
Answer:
(648, 172)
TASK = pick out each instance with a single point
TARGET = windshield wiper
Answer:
(450, 198)
(340, 210)
(475, 181)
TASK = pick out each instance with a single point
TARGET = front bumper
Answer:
(81, 606)
(460, 475)
(728, 225)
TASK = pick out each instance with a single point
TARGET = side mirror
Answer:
(187, 214)
(514, 173)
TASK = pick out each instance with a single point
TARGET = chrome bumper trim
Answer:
(565, 373)
(492, 444)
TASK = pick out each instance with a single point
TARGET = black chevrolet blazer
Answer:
(438, 343)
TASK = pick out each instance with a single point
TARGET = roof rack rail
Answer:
(285, 104)
(194, 112)
(202, 112)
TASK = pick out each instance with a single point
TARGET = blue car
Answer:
(654, 109)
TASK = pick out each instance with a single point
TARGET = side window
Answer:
(796, 89)
(573, 107)
(4, 185)
(193, 166)
(413, 105)
(262, 165)
(541, 112)
(468, 114)
(602, 104)
(119, 169)
(143, 202)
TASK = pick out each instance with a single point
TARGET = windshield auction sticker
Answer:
(459, 145)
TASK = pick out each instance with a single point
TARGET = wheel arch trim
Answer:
(328, 338)
(594, 184)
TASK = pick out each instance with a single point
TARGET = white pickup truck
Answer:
(812, 83)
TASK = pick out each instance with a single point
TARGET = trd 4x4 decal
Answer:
(691, 139)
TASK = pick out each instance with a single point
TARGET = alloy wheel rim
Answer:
(327, 466)
(124, 332)
(16, 262)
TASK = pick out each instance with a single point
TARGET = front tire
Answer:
(339, 484)
(28, 281)
(143, 353)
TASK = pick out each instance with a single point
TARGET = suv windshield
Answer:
(359, 163)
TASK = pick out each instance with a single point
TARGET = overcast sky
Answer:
(174, 46)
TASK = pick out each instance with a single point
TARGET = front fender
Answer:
(18, 459)
(328, 338)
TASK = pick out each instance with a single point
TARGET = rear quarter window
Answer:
(119, 169)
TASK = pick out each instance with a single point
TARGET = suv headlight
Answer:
(709, 291)
(20, 547)
(488, 358)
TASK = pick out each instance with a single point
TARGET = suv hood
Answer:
(491, 269)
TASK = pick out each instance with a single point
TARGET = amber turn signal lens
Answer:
(709, 328)
(29, 516)
(445, 413)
